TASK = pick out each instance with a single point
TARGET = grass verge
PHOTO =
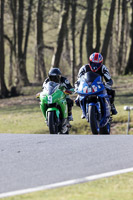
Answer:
(22, 115)
(29, 119)
(114, 188)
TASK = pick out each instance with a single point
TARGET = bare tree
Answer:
(13, 42)
(129, 67)
(122, 52)
(73, 27)
(10, 81)
(3, 88)
(90, 26)
(61, 34)
(40, 71)
(22, 53)
(98, 25)
(117, 26)
(81, 40)
(67, 47)
(108, 31)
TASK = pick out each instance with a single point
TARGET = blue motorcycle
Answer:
(94, 102)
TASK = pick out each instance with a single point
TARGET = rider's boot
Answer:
(82, 116)
(77, 101)
(70, 104)
(70, 117)
(113, 109)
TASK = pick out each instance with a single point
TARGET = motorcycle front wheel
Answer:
(93, 119)
(105, 130)
(52, 123)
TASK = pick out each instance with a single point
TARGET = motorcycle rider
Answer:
(55, 76)
(96, 65)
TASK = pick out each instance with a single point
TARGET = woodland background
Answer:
(36, 35)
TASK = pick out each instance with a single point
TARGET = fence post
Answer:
(128, 108)
(128, 123)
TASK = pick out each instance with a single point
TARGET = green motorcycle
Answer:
(53, 105)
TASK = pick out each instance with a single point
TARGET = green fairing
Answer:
(43, 108)
(57, 97)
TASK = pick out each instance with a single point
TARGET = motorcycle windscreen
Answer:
(91, 76)
(50, 87)
(88, 83)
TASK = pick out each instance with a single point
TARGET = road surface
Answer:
(31, 160)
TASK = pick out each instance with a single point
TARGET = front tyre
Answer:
(105, 130)
(93, 119)
(52, 123)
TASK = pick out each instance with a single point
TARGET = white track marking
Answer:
(66, 183)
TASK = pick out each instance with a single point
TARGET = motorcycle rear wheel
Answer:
(94, 124)
(52, 123)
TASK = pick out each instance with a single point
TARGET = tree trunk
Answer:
(129, 67)
(10, 79)
(89, 36)
(3, 89)
(108, 31)
(81, 41)
(67, 47)
(117, 32)
(23, 78)
(13, 8)
(61, 34)
(10, 82)
(122, 51)
(40, 64)
(98, 24)
(117, 27)
(73, 59)
(110, 55)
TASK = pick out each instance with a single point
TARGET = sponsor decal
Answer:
(89, 90)
(94, 88)
(85, 89)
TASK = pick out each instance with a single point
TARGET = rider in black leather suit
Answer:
(55, 75)
(95, 65)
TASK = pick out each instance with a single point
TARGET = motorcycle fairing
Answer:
(53, 97)
(96, 87)
(91, 86)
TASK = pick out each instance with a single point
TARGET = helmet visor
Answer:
(55, 79)
(95, 66)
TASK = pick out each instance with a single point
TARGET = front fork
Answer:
(45, 110)
(98, 107)
(85, 109)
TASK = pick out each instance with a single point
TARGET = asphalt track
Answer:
(32, 161)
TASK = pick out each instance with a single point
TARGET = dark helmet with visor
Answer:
(55, 75)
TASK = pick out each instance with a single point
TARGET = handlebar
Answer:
(38, 95)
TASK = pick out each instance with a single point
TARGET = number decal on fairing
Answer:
(49, 99)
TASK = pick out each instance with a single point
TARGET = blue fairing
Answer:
(84, 86)
(92, 88)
